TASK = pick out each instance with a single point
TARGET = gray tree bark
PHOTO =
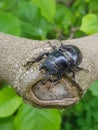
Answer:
(32, 84)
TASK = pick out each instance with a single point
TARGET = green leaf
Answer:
(29, 118)
(9, 24)
(28, 12)
(63, 18)
(93, 6)
(31, 31)
(8, 5)
(7, 123)
(9, 101)
(28, 30)
(94, 88)
(43, 28)
(48, 8)
(32, 24)
(89, 24)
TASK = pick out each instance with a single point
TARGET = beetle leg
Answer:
(77, 69)
(53, 47)
(73, 74)
(37, 59)
(61, 43)
(81, 68)
(58, 77)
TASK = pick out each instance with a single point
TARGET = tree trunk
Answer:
(32, 84)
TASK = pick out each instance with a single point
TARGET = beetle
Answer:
(60, 61)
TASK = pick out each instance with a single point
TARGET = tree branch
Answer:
(31, 84)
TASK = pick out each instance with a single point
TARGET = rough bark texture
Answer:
(28, 81)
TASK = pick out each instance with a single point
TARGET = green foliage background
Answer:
(46, 19)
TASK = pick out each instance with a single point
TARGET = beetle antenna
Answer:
(61, 48)
(53, 47)
(61, 43)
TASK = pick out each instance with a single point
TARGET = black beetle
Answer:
(61, 61)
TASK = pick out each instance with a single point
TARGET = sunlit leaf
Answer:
(89, 24)
(63, 17)
(39, 31)
(48, 8)
(29, 118)
(94, 88)
(9, 24)
(9, 101)
(28, 12)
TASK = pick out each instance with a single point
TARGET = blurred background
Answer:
(48, 19)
